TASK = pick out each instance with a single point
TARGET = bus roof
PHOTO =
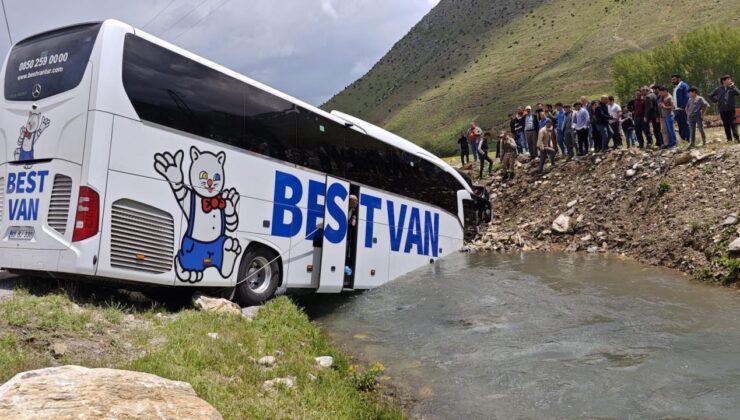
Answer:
(369, 129)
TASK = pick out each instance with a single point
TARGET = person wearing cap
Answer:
(508, 155)
(531, 125)
(546, 144)
(681, 97)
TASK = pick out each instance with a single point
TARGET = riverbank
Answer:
(221, 355)
(666, 208)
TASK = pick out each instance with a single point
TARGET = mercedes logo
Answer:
(36, 90)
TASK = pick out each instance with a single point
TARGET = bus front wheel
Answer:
(259, 276)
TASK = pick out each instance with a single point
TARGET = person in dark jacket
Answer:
(651, 114)
(464, 149)
(724, 96)
(483, 156)
(602, 117)
(681, 97)
(637, 107)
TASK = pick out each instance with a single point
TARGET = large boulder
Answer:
(734, 248)
(561, 224)
(75, 392)
(209, 304)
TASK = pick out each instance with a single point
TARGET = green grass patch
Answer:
(176, 345)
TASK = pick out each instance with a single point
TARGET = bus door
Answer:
(334, 244)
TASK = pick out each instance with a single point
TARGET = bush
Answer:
(367, 379)
(663, 187)
(701, 56)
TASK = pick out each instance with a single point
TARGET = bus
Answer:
(128, 159)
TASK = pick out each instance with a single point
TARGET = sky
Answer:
(310, 49)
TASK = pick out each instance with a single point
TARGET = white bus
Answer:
(126, 158)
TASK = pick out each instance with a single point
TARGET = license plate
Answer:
(21, 233)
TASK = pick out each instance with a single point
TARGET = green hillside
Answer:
(476, 60)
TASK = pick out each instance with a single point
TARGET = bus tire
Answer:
(262, 282)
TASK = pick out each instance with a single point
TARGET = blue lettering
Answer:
(20, 181)
(396, 229)
(33, 209)
(414, 235)
(431, 233)
(372, 203)
(24, 209)
(284, 203)
(315, 209)
(42, 175)
(334, 191)
(13, 208)
(11, 183)
(31, 182)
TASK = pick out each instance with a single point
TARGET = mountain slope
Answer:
(476, 60)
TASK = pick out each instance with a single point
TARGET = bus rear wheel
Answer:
(259, 277)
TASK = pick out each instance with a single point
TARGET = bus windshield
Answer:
(50, 63)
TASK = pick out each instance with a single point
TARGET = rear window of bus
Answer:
(50, 63)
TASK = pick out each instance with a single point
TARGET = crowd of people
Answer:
(654, 118)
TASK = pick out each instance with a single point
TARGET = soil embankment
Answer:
(670, 208)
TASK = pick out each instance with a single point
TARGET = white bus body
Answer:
(125, 157)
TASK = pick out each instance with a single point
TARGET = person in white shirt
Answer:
(615, 114)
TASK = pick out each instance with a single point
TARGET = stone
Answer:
(592, 249)
(209, 304)
(682, 159)
(250, 312)
(213, 335)
(325, 361)
(58, 349)
(630, 173)
(561, 224)
(572, 203)
(266, 361)
(587, 238)
(288, 382)
(730, 220)
(734, 247)
(68, 392)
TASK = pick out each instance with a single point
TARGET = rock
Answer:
(592, 249)
(587, 238)
(250, 312)
(734, 247)
(730, 220)
(561, 224)
(682, 159)
(76, 392)
(288, 382)
(213, 336)
(572, 203)
(325, 361)
(698, 156)
(59, 349)
(266, 361)
(630, 173)
(209, 304)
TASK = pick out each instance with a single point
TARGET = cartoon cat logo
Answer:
(30, 134)
(209, 209)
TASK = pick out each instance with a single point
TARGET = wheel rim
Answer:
(259, 275)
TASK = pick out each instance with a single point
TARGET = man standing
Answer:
(546, 145)
(724, 96)
(666, 113)
(681, 97)
(637, 107)
(696, 107)
(651, 114)
(464, 149)
(531, 125)
(582, 129)
(568, 134)
(615, 115)
(585, 104)
(508, 155)
(602, 118)
(473, 139)
(560, 126)
(483, 156)
(518, 133)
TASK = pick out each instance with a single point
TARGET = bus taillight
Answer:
(88, 214)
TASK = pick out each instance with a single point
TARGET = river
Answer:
(548, 336)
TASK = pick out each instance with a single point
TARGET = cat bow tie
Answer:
(213, 203)
(27, 134)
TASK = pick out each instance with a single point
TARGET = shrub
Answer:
(367, 379)
(701, 56)
(663, 187)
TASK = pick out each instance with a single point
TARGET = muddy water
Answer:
(548, 336)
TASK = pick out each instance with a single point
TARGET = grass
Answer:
(176, 345)
(496, 56)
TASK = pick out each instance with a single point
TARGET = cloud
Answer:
(286, 44)
(329, 9)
